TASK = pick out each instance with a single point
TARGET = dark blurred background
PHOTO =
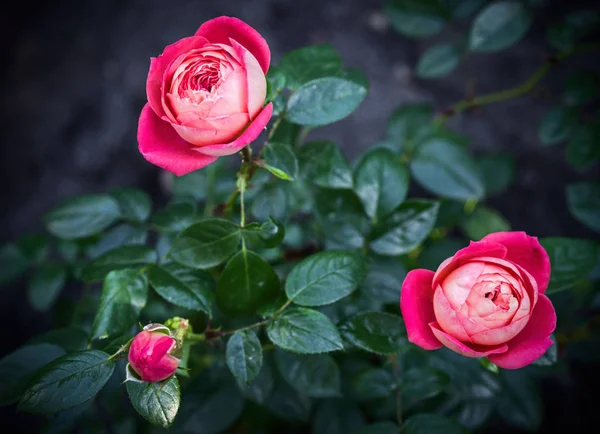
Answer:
(73, 85)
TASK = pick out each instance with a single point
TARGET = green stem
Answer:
(396, 370)
(516, 91)
(195, 338)
(251, 326)
(282, 308)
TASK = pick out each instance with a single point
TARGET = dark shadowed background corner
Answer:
(73, 84)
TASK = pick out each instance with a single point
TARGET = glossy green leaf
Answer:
(206, 244)
(497, 172)
(282, 157)
(338, 416)
(246, 283)
(409, 124)
(583, 200)
(134, 257)
(447, 170)
(184, 287)
(519, 404)
(315, 375)
(582, 88)
(405, 229)
(17, 368)
(438, 60)
(124, 295)
(158, 403)
(381, 182)
(425, 423)
(583, 150)
(484, 221)
(120, 235)
(324, 164)
(379, 428)
(82, 216)
(271, 201)
(384, 280)
(193, 185)
(244, 355)
(324, 278)
(498, 26)
(45, 286)
(435, 252)
(576, 25)
(260, 389)
(66, 382)
(323, 101)
(71, 339)
(305, 331)
(13, 263)
(268, 234)
(308, 63)
(571, 261)
(377, 332)
(556, 125)
(175, 217)
(134, 204)
(420, 383)
(417, 18)
(373, 383)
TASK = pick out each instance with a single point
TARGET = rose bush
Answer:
(151, 354)
(205, 96)
(486, 300)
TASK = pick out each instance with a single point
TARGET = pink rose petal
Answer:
(467, 350)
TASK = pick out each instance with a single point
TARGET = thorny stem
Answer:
(516, 91)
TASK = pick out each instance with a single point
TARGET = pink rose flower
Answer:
(205, 96)
(150, 354)
(486, 301)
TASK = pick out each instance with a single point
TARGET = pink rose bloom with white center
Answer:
(206, 96)
(486, 301)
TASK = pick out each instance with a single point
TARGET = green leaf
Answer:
(377, 332)
(519, 404)
(315, 375)
(286, 403)
(158, 403)
(13, 263)
(270, 201)
(244, 356)
(583, 200)
(45, 286)
(184, 287)
(206, 244)
(282, 157)
(176, 217)
(409, 125)
(381, 182)
(435, 252)
(484, 221)
(497, 172)
(571, 260)
(379, 428)
(581, 88)
(438, 60)
(82, 216)
(71, 339)
(583, 150)
(120, 235)
(373, 383)
(447, 170)
(35, 247)
(305, 331)
(191, 186)
(550, 357)
(557, 125)
(575, 26)
(268, 235)
(211, 403)
(465, 8)
(417, 18)
(324, 101)
(246, 283)
(261, 388)
(68, 250)
(406, 228)
(324, 164)
(421, 383)
(17, 368)
(384, 280)
(124, 295)
(324, 278)
(498, 26)
(134, 204)
(338, 416)
(431, 424)
(308, 63)
(119, 259)
(66, 382)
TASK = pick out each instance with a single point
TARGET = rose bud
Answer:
(151, 355)
(205, 96)
(486, 301)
